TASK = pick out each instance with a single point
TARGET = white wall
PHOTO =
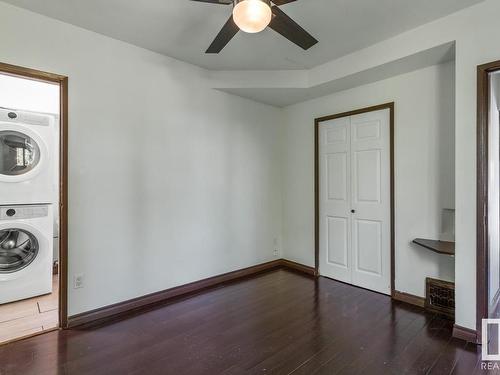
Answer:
(424, 165)
(170, 181)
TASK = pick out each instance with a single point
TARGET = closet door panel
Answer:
(370, 200)
(335, 196)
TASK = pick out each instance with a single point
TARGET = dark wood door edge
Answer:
(125, 308)
(466, 334)
(482, 161)
(62, 81)
(317, 122)
(408, 298)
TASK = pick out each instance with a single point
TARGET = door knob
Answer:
(353, 211)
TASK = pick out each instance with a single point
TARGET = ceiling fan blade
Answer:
(290, 29)
(282, 2)
(221, 2)
(227, 33)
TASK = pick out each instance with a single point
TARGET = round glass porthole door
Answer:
(19, 153)
(18, 248)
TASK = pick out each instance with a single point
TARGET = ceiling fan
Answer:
(253, 16)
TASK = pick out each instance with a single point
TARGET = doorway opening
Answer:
(488, 194)
(358, 145)
(33, 202)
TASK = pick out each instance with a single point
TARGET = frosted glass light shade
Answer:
(252, 16)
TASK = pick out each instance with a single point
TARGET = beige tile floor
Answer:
(29, 316)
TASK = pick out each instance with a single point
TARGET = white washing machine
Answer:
(25, 251)
(27, 154)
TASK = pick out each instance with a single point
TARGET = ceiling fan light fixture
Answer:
(252, 16)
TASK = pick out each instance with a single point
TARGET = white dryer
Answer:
(27, 170)
(25, 251)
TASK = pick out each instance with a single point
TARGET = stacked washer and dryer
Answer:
(28, 201)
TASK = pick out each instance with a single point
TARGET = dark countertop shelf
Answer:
(441, 247)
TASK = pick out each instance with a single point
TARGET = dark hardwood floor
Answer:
(276, 323)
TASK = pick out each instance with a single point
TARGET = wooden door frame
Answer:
(482, 261)
(317, 122)
(62, 81)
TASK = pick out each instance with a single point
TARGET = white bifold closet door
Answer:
(355, 207)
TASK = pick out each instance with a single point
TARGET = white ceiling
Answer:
(184, 29)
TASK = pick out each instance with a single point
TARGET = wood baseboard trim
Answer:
(134, 305)
(298, 267)
(409, 298)
(466, 334)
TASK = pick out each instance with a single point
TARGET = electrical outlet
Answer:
(275, 247)
(78, 281)
(276, 252)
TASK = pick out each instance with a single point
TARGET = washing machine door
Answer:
(21, 154)
(18, 249)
